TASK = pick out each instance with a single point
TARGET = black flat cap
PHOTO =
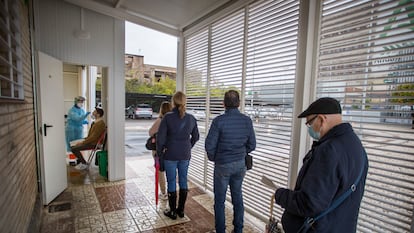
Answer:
(325, 105)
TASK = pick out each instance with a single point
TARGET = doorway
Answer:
(89, 82)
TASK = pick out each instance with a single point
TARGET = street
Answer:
(136, 135)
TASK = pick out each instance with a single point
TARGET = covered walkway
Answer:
(280, 55)
(92, 204)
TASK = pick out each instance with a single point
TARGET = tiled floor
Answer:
(91, 204)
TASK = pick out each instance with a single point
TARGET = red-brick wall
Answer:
(18, 178)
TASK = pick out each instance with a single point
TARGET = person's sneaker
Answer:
(81, 166)
(163, 196)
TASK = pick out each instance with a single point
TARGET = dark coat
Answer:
(328, 170)
(176, 136)
(230, 138)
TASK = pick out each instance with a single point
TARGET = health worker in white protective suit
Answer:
(76, 118)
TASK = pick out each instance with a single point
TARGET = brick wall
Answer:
(18, 178)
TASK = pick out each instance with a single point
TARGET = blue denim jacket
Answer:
(230, 138)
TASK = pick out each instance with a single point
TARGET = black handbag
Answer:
(249, 161)
(151, 143)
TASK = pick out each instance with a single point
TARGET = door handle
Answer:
(45, 126)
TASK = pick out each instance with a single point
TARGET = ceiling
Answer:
(168, 16)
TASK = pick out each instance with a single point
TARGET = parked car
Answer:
(199, 114)
(143, 111)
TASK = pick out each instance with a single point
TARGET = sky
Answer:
(157, 48)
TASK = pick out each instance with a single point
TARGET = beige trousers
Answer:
(161, 178)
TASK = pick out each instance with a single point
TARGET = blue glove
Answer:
(85, 122)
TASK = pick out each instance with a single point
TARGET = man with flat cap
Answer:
(335, 168)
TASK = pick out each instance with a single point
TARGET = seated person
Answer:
(95, 132)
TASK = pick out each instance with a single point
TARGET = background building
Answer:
(136, 68)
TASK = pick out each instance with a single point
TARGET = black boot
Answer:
(181, 202)
(172, 201)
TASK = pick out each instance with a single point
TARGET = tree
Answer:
(405, 92)
(164, 86)
(98, 84)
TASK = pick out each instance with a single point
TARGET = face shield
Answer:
(78, 101)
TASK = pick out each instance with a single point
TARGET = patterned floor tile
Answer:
(123, 226)
(129, 205)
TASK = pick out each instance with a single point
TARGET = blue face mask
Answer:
(313, 134)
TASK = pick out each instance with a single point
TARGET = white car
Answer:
(198, 114)
(143, 111)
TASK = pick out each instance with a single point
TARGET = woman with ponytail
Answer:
(177, 134)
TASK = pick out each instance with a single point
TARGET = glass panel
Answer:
(5, 90)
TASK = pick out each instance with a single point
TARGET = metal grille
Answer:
(366, 60)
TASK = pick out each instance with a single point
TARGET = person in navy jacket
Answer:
(177, 134)
(230, 138)
(333, 164)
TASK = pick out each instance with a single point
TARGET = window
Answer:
(366, 60)
(11, 77)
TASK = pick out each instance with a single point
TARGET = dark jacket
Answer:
(230, 138)
(329, 169)
(177, 136)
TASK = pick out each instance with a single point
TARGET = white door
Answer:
(71, 84)
(53, 160)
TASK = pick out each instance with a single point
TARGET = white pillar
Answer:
(179, 80)
(92, 73)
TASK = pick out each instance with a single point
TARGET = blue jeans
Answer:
(171, 167)
(229, 174)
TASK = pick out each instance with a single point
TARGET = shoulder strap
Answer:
(309, 221)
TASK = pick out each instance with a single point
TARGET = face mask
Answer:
(93, 116)
(313, 134)
(80, 105)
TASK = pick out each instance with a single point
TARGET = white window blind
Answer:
(270, 78)
(195, 76)
(214, 62)
(226, 61)
(366, 60)
(11, 77)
